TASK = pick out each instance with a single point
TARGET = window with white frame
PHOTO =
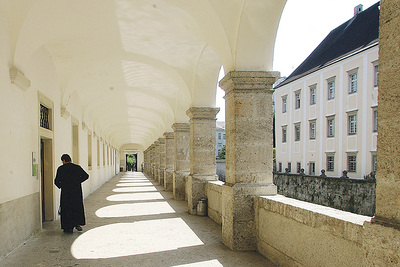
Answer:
(280, 167)
(289, 165)
(351, 162)
(331, 88)
(352, 81)
(297, 98)
(284, 134)
(219, 136)
(330, 162)
(313, 129)
(297, 132)
(331, 126)
(312, 168)
(376, 74)
(313, 94)
(284, 104)
(375, 119)
(352, 123)
(298, 167)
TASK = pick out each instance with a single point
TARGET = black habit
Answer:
(69, 178)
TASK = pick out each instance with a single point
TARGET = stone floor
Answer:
(131, 221)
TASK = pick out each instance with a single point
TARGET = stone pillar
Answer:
(388, 164)
(145, 159)
(202, 153)
(182, 158)
(147, 163)
(152, 163)
(161, 147)
(169, 161)
(249, 153)
(156, 158)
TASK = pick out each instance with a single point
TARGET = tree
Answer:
(221, 154)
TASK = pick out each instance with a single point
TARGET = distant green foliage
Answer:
(130, 162)
(130, 159)
(222, 153)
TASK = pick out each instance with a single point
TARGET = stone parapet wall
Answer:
(214, 194)
(221, 169)
(296, 233)
(353, 195)
(291, 232)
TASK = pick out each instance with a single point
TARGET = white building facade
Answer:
(327, 118)
(220, 137)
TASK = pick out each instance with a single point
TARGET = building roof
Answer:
(220, 125)
(354, 35)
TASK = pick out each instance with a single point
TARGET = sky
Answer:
(303, 26)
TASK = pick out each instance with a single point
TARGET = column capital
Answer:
(181, 127)
(207, 113)
(169, 135)
(249, 80)
(161, 140)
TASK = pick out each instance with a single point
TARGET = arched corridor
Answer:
(132, 221)
(102, 81)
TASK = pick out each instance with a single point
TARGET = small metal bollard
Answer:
(202, 207)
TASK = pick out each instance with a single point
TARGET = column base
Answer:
(168, 180)
(179, 184)
(196, 189)
(238, 214)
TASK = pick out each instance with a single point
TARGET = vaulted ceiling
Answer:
(136, 66)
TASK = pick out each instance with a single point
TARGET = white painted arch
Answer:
(156, 58)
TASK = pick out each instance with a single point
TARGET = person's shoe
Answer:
(68, 230)
(79, 228)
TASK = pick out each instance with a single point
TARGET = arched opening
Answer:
(131, 162)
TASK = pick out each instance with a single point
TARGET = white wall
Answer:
(20, 137)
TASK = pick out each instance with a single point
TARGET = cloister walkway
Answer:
(132, 221)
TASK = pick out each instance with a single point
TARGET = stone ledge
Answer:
(340, 223)
(327, 211)
(215, 185)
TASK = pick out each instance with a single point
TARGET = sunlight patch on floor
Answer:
(135, 184)
(134, 181)
(135, 196)
(201, 264)
(127, 239)
(135, 209)
(134, 176)
(135, 189)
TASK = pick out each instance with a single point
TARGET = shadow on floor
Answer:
(131, 221)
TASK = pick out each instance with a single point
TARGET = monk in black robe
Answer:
(69, 178)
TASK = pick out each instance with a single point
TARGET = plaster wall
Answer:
(20, 191)
(19, 218)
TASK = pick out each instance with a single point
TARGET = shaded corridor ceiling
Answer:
(136, 66)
